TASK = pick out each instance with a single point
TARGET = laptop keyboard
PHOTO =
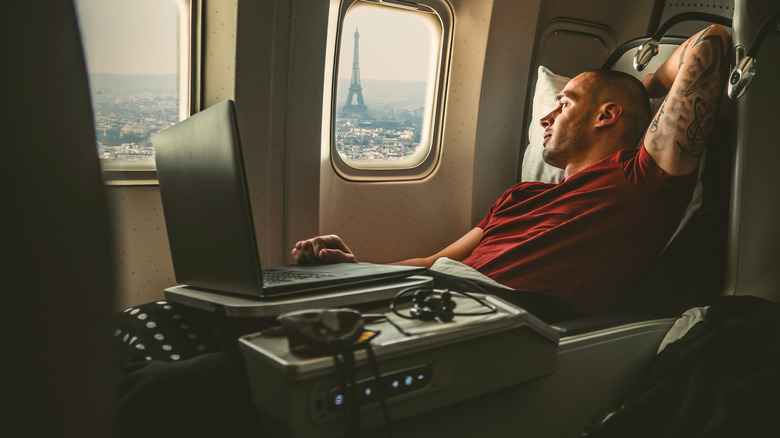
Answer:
(277, 276)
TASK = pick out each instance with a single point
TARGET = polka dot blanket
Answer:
(167, 331)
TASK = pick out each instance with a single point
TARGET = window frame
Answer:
(426, 167)
(141, 174)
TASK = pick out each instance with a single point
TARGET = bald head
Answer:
(613, 86)
(598, 113)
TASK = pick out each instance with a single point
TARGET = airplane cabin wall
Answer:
(280, 73)
(143, 258)
(390, 221)
(495, 46)
(275, 60)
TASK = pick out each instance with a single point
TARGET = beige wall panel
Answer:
(502, 105)
(261, 93)
(143, 257)
(219, 51)
(308, 46)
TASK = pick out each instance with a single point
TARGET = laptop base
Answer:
(247, 307)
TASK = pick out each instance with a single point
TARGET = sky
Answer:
(394, 43)
(138, 37)
(129, 36)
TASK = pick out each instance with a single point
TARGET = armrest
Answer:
(594, 374)
(599, 322)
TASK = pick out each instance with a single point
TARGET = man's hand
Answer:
(323, 249)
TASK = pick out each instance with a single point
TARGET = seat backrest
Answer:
(57, 290)
(691, 271)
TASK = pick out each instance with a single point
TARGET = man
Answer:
(588, 238)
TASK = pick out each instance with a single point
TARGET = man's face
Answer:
(567, 130)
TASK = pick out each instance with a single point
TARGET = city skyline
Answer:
(129, 108)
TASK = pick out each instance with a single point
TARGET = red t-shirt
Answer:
(587, 238)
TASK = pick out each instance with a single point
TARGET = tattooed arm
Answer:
(695, 77)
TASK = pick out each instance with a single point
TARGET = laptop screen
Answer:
(204, 196)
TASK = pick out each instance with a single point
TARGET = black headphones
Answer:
(429, 304)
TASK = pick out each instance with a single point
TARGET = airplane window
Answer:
(136, 61)
(387, 86)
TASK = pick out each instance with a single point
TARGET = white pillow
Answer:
(548, 86)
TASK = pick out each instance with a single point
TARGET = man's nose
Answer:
(547, 120)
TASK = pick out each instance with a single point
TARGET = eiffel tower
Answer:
(355, 90)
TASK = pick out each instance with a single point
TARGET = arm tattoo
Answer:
(712, 71)
(683, 124)
(704, 113)
(698, 131)
(682, 55)
(654, 125)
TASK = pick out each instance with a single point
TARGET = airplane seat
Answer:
(738, 208)
(691, 271)
(602, 359)
(57, 291)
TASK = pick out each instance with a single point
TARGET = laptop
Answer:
(208, 217)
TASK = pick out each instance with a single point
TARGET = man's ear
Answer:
(608, 114)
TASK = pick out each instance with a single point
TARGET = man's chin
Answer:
(549, 158)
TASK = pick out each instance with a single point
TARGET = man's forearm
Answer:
(458, 250)
(426, 262)
(695, 77)
(660, 82)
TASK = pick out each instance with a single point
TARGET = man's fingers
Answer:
(304, 252)
(330, 241)
(328, 249)
(336, 256)
(318, 244)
